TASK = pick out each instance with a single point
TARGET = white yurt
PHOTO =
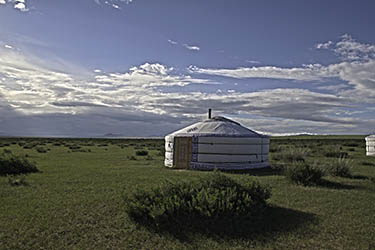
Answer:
(216, 143)
(370, 145)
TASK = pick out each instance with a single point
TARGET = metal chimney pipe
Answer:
(209, 113)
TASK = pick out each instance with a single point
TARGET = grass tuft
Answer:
(19, 180)
(341, 167)
(304, 174)
(141, 152)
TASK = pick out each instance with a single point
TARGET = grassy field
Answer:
(76, 201)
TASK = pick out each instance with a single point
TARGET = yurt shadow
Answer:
(275, 220)
(268, 171)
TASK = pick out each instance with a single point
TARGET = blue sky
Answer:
(147, 68)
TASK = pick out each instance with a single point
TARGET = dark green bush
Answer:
(7, 151)
(336, 153)
(141, 152)
(215, 197)
(17, 180)
(30, 145)
(81, 150)
(366, 163)
(132, 158)
(41, 150)
(341, 167)
(302, 173)
(12, 165)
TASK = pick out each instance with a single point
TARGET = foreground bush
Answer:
(215, 197)
(341, 167)
(13, 165)
(141, 152)
(304, 174)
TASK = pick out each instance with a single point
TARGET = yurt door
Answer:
(182, 152)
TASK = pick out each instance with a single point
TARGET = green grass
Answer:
(77, 200)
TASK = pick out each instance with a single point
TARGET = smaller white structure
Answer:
(370, 145)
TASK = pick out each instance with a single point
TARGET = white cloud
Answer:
(8, 46)
(114, 3)
(252, 61)
(20, 5)
(357, 70)
(115, 6)
(325, 45)
(127, 1)
(311, 72)
(148, 76)
(172, 42)
(350, 49)
(152, 92)
(191, 47)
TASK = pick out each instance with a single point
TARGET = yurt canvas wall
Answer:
(370, 145)
(216, 143)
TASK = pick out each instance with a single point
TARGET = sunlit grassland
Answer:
(76, 202)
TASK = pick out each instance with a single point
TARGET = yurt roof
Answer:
(217, 126)
(371, 136)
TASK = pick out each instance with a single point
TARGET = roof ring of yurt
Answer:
(216, 143)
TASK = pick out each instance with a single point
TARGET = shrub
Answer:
(12, 165)
(215, 197)
(160, 153)
(30, 145)
(341, 167)
(132, 158)
(275, 148)
(41, 150)
(366, 163)
(294, 154)
(17, 180)
(304, 174)
(141, 152)
(7, 151)
(334, 152)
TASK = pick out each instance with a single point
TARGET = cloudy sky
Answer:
(149, 67)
